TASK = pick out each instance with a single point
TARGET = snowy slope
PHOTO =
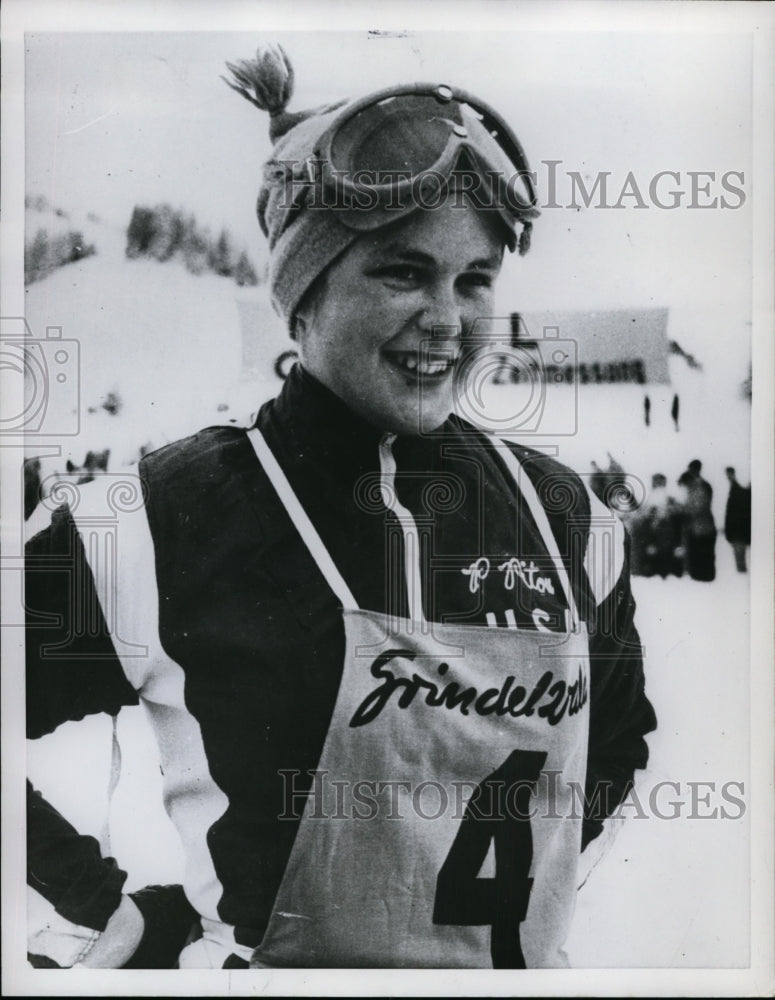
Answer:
(167, 342)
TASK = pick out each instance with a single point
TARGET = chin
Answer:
(410, 421)
(427, 422)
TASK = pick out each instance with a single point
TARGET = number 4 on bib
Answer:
(499, 811)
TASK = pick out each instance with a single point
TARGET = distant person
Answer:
(636, 523)
(95, 462)
(647, 411)
(611, 485)
(656, 533)
(618, 492)
(737, 519)
(675, 409)
(699, 525)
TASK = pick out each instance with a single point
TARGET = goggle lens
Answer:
(408, 134)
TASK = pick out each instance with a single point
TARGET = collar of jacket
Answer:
(319, 427)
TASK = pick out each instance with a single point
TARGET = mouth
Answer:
(416, 365)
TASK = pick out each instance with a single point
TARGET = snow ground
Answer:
(667, 893)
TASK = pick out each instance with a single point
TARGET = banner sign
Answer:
(615, 346)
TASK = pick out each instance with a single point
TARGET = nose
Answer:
(443, 312)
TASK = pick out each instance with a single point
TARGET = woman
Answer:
(379, 640)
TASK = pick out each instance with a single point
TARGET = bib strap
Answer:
(301, 521)
(528, 491)
(389, 493)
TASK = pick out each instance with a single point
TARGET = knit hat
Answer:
(304, 237)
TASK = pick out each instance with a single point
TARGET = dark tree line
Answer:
(164, 233)
(46, 253)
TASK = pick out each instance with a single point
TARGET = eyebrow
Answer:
(411, 256)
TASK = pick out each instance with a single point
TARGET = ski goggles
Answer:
(396, 150)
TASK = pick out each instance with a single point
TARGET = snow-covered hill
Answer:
(165, 342)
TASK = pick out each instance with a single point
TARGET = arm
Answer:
(92, 923)
(78, 914)
(73, 671)
(620, 712)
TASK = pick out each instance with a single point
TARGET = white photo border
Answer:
(757, 19)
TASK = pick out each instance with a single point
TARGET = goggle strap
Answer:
(525, 237)
(310, 165)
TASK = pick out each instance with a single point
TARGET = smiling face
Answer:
(383, 329)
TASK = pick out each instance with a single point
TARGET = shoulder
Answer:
(191, 484)
(206, 445)
(197, 460)
(562, 491)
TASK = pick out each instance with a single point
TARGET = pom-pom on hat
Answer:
(267, 82)
(301, 251)
(299, 205)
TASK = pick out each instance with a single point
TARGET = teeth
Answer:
(412, 363)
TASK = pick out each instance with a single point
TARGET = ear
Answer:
(301, 323)
(303, 319)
